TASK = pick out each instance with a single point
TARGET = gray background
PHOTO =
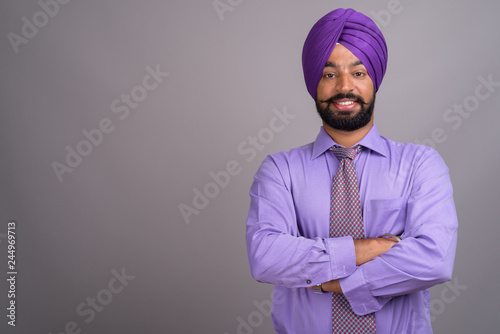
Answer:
(119, 208)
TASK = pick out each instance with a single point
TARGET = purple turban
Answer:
(354, 30)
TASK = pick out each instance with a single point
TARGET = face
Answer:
(345, 97)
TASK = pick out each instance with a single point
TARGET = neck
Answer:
(347, 138)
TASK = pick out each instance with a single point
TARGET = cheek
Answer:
(367, 91)
(323, 91)
(368, 88)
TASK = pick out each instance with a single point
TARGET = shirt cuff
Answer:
(342, 256)
(355, 289)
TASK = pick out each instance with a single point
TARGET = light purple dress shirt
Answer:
(405, 190)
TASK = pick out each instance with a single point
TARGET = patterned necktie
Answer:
(346, 219)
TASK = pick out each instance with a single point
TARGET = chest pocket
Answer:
(386, 215)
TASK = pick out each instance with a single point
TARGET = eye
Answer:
(359, 74)
(329, 75)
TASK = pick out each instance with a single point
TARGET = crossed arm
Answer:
(366, 250)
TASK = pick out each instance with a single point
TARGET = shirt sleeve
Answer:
(277, 253)
(426, 254)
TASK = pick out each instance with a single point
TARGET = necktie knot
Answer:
(342, 152)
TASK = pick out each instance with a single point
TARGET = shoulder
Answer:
(295, 154)
(419, 158)
(281, 165)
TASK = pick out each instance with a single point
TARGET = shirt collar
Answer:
(371, 140)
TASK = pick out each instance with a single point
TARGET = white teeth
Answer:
(346, 103)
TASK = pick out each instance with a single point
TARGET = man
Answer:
(352, 229)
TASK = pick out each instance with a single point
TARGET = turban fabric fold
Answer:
(354, 30)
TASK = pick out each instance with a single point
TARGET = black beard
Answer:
(345, 122)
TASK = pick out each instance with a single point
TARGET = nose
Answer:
(345, 83)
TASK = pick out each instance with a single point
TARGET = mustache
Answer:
(357, 98)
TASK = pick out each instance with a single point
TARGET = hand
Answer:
(368, 249)
(331, 286)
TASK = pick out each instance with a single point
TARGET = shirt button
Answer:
(308, 281)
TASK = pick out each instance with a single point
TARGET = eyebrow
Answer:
(335, 65)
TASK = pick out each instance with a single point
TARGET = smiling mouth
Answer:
(344, 105)
(347, 103)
